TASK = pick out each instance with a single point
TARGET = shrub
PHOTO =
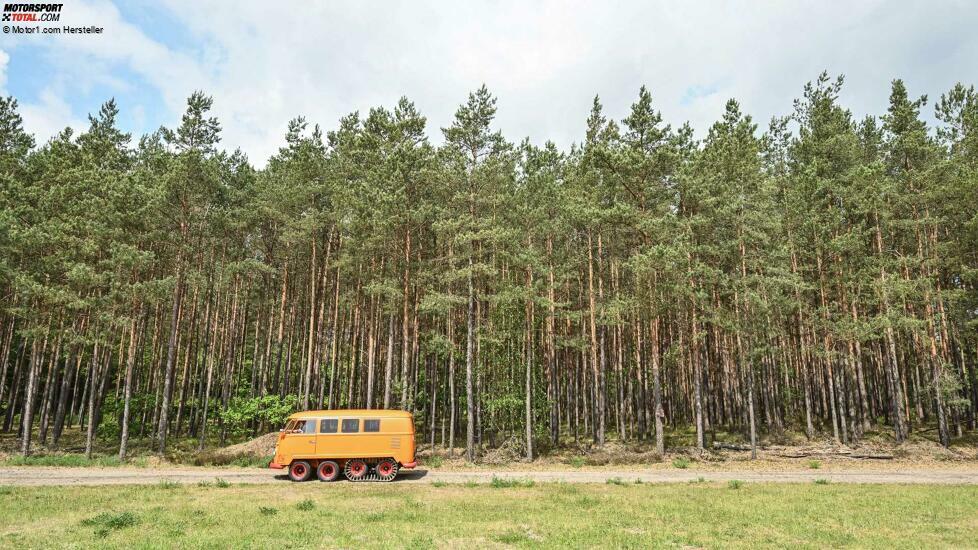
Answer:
(266, 511)
(248, 461)
(614, 481)
(821, 481)
(576, 461)
(168, 484)
(421, 542)
(735, 484)
(106, 522)
(681, 462)
(243, 411)
(306, 505)
(434, 461)
(223, 484)
(814, 464)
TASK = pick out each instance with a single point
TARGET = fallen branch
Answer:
(835, 454)
(731, 446)
(873, 456)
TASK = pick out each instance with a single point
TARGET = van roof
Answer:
(371, 413)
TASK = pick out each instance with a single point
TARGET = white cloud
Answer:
(46, 116)
(49, 115)
(544, 60)
(174, 74)
(4, 59)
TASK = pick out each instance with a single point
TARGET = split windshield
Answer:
(301, 426)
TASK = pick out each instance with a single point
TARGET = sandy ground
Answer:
(37, 476)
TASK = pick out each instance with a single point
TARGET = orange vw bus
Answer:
(365, 444)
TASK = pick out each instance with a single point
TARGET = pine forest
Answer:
(814, 274)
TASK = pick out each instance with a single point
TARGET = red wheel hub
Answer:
(298, 470)
(385, 468)
(358, 468)
(328, 470)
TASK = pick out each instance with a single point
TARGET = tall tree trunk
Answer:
(171, 359)
(529, 360)
(92, 400)
(389, 362)
(27, 417)
(127, 399)
(891, 368)
(405, 390)
(470, 368)
(311, 354)
(595, 365)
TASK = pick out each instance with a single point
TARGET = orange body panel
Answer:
(309, 438)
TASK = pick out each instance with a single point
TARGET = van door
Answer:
(326, 442)
(300, 440)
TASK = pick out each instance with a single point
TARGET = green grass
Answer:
(71, 461)
(546, 515)
(105, 523)
(505, 483)
(681, 462)
(433, 461)
(814, 464)
(142, 452)
(168, 484)
(576, 461)
(252, 461)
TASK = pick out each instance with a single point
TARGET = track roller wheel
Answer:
(328, 470)
(386, 470)
(299, 470)
(355, 469)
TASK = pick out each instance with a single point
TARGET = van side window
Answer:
(371, 425)
(328, 426)
(351, 425)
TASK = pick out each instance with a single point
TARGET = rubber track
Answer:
(372, 476)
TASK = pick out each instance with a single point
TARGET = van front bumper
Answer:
(409, 465)
(275, 465)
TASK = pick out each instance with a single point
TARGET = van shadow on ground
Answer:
(409, 475)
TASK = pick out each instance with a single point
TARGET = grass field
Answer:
(619, 513)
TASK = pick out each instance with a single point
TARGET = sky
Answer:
(267, 62)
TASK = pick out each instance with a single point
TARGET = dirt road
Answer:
(36, 476)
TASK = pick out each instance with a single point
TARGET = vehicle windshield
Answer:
(300, 426)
